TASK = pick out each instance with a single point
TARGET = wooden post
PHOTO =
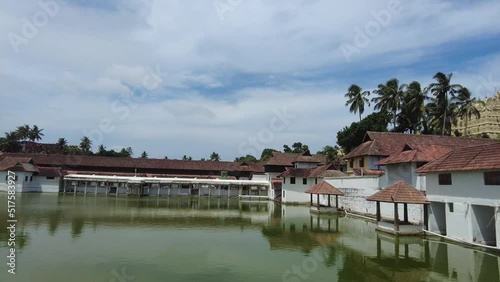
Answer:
(426, 217)
(85, 187)
(107, 188)
(178, 190)
(406, 212)
(379, 217)
(329, 204)
(337, 201)
(64, 184)
(311, 199)
(317, 198)
(396, 217)
(96, 187)
(159, 188)
(169, 187)
(220, 188)
(76, 183)
(228, 193)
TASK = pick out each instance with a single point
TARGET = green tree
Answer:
(101, 150)
(215, 157)
(297, 147)
(351, 136)
(390, 97)
(356, 99)
(165, 158)
(441, 109)
(86, 145)
(144, 155)
(62, 144)
(412, 111)
(186, 158)
(267, 154)
(331, 153)
(10, 143)
(246, 159)
(23, 132)
(35, 134)
(467, 107)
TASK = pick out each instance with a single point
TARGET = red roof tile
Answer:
(17, 164)
(416, 153)
(324, 188)
(471, 158)
(399, 192)
(388, 143)
(287, 159)
(319, 171)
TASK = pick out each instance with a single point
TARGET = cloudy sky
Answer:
(232, 76)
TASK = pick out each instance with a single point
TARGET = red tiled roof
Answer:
(121, 162)
(416, 153)
(319, 171)
(198, 176)
(17, 164)
(49, 171)
(471, 158)
(324, 188)
(306, 157)
(287, 159)
(388, 143)
(399, 192)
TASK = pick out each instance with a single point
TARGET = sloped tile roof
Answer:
(121, 162)
(324, 188)
(417, 153)
(16, 163)
(49, 171)
(470, 158)
(388, 143)
(319, 171)
(399, 192)
(306, 157)
(287, 159)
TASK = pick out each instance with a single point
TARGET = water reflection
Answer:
(255, 233)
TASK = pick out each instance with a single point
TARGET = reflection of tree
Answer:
(54, 218)
(22, 239)
(77, 226)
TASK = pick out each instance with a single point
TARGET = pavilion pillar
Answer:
(199, 190)
(311, 199)
(220, 188)
(406, 213)
(337, 201)
(317, 199)
(178, 190)
(426, 217)
(74, 192)
(228, 192)
(159, 188)
(378, 212)
(396, 217)
(169, 187)
(64, 186)
(190, 189)
(240, 193)
(85, 187)
(96, 187)
(107, 188)
(329, 204)
(209, 190)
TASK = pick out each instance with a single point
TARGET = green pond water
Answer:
(109, 239)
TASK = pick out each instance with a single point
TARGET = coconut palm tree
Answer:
(356, 98)
(62, 144)
(10, 143)
(390, 97)
(35, 134)
(467, 107)
(23, 132)
(215, 157)
(413, 106)
(86, 145)
(442, 112)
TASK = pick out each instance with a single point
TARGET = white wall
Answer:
(34, 183)
(467, 187)
(295, 193)
(305, 165)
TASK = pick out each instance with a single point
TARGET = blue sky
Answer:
(192, 77)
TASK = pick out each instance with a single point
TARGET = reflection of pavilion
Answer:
(304, 235)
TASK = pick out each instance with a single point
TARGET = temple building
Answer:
(488, 123)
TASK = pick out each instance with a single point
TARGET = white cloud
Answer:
(219, 81)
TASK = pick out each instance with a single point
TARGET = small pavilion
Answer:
(397, 193)
(324, 188)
